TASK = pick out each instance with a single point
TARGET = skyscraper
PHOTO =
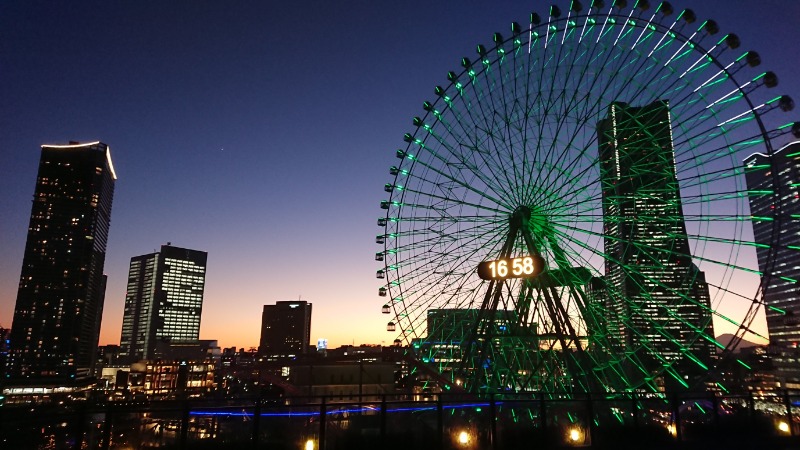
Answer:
(653, 286)
(773, 184)
(61, 289)
(163, 302)
(285, 329)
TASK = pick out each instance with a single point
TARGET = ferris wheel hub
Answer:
(520, 217)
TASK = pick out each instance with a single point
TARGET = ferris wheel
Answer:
(570, 212)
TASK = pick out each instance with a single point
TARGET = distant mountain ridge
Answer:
(726, 338)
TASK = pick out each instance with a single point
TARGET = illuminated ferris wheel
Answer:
(570, 212)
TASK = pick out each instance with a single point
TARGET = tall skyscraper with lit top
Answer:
(59, 305)
(652, 285)
(773, 184)
(163, 302)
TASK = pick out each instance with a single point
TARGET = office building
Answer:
(59, 305)
(652, 285)
(285, 329)
(164, 301)
(453, 348)
(773, 183)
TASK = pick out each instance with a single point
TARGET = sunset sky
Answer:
(260, 132)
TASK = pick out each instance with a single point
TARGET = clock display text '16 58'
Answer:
(519, 267)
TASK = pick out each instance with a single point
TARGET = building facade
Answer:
(345, 381)
(657, 301)
(285, 329)
(773, 184)
(5, 343)
(164, 301)
(59, 305)
(171, 379)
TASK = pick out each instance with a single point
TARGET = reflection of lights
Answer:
(783, 427)
(463, 438)
(671, 429)
(309, 445)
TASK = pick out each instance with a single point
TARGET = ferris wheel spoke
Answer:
(567, 180)
(508, 112)
(576, 104)
(435, 258)
(474, 149)
(443, 203)
(477, 155)
(711, 135)
(720, 165)
(452, 179)
(484, 124)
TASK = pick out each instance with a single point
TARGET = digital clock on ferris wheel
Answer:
(505, 268)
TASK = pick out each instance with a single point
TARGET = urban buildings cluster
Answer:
(52, 346)
(51, 350)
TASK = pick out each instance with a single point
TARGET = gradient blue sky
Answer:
(258, 131)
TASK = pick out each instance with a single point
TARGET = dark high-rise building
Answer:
(653, 286)
(59, 305)
(4, 345)
(773, 184)
(285, 329)
(163, 302)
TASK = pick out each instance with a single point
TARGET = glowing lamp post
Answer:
(576, 436)
(463, 438)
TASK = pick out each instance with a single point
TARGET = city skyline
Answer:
(262, 143)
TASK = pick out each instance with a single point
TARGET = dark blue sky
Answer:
(260, 132)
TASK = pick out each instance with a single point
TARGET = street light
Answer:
(783, 427)
(575, 436)
(463, 438)
(672, 430)
(309, 445)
